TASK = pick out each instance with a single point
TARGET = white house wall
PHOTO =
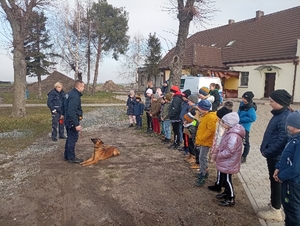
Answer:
(283, 79)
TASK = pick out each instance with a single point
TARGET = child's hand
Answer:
(275, 176)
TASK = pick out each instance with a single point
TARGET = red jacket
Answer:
(230, 150)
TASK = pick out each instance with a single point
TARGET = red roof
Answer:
(267, 37)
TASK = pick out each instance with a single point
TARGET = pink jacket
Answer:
(230, 150)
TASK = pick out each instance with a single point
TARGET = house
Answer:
(260, 54)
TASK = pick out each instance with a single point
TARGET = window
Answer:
(230, 43)
(244, 78)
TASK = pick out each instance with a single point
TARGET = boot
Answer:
(188, 157)
(216, 188)
(192, 160)
(221, 195)
(195, 166)
(227, 202)
(271, 214)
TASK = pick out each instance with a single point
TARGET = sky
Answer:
(147, 17)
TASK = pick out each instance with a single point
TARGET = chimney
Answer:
(259, 14)
(231, 21)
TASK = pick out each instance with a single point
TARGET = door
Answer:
(269, 84)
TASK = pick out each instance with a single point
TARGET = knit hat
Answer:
(223, 111)
(228, 105)
(204, 105)
(186, 93)
(174, 89)
(150, 91)
(168, 96)
(156, 96)
(248, 96)
(188, 117)
(193, 98)
(231, 119)
(204, 91)
(281, 97)
(293, 119)
(138, 97)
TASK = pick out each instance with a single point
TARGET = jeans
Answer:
(180, 132)
(290, 197)
(70, 143)
(246, 144)
(203, 151)
(167, 129)
(138, 120)
(274, 186)
(55, 124)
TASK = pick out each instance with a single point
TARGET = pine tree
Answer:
(37, 48)
(153, 56)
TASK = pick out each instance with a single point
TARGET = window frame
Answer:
(244, 83)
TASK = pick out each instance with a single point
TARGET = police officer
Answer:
(56, 104)
(73, 115)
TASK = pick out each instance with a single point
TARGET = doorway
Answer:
(269, 84)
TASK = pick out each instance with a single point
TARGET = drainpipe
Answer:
(296, 63)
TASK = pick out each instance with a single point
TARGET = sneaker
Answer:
(171, 146)
(198, 175)
(149, 131)
(75, 160)
(222, 195)
(227, 202)
(201, 181)
(63, 137)
(271, 214)
(131, 125)
(243, 159)
(54, 139)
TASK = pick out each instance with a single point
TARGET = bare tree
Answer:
(133, 58)
(18, 14)
(186, 11)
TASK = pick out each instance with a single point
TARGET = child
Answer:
(204, 95)
(229, 155)
(247, 114)
(288, 172)
(130, 108)
(138, 111)
(148, 96)
(154, 113)
(204, 137)
(165, 118)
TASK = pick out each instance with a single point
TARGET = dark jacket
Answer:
(175, 107)
(138, 108)
(73, 110)
(289, 167)
(275, 137)
(130, 105)
(216, 103)
(56, 101)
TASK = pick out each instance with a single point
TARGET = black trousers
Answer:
(175, 126)
(275, 187)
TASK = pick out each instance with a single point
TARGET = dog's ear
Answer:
(94, 140)
(101, 142)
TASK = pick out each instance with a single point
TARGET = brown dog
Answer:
(101, 152)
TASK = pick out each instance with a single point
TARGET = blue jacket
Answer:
(56, 101)
(289, 164)
(138, 108)
(247, 114)
(184, 109)
(275, 137)
(73, 110)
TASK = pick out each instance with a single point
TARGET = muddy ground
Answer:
(147, 184)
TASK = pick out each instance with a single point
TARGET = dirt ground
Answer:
(147, 184)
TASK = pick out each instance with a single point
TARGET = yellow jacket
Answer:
(206, 130)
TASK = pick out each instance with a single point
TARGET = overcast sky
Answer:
(148, 17)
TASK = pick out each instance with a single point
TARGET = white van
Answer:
(195, 83)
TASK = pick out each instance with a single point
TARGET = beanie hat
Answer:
(174, 89)
(248, 96)
(281, 97)
(156, 96)
(186, 93)
(193, 98)
(204, 91)
(223, 111)
(204, 105)
(168, 96)
(150, 91)
(228, 105)
(231, 119)
(293, 119)
(138, 97)
(188, 117)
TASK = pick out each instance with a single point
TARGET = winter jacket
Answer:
(220, 131)
(56, 101)
(130, 105)
(230, 150)
(138, 108)
(155, 108)
(165, 111)
(289, 164)
(247, 114)
(275, 137)
(184, 109)
(216, 102)
(175, 107)
(73, 110)
(206, 130)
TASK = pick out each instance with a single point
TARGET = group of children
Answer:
(204, 128)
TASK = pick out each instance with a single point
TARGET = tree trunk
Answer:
(39, 77)
(96, 68)
(88, 68)
(185, 16)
